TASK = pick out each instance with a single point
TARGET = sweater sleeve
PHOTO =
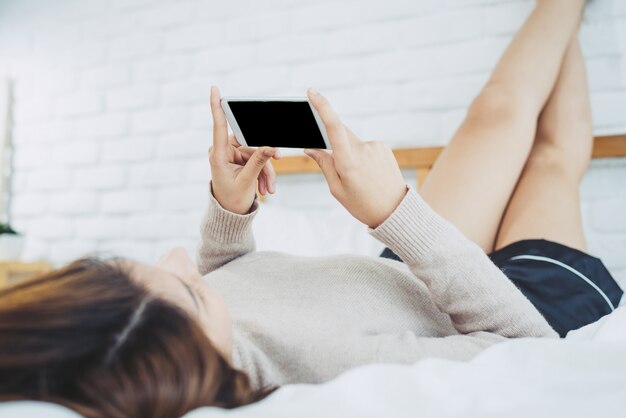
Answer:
(463, 282)
(224, 235)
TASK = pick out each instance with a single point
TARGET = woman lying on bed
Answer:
(119, 338)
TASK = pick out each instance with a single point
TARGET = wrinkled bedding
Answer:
(581, 376)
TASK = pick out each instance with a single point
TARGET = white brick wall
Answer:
(112, 121)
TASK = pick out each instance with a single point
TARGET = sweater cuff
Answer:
(225, 226)
(412, 228)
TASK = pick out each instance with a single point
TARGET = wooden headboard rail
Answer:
(422, 159)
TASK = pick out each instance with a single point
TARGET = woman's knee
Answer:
(556, 159)
(497, 101)
(573, 131)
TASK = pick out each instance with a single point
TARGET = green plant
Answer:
(6, 229)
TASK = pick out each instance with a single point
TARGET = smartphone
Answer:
(285, 122)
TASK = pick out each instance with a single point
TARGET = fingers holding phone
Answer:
(267, 178)
(290, 122)
(220, 127)
(235, 172)
(363, 176)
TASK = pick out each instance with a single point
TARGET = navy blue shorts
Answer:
(568, 287)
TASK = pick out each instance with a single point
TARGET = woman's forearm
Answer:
(224, 235)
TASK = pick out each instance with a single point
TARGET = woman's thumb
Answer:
(313, 154)
(255, 164)
(326, 162)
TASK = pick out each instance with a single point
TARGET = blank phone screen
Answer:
(277, 124)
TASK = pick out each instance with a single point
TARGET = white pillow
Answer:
(312, 232)
(33, 409)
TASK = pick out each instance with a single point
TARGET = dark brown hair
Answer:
(89, 337)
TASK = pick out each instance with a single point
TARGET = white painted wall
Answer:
(5, 129)
(112, 118)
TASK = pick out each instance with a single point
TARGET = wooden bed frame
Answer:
(422, 159)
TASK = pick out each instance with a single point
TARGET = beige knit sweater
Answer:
(307, 319)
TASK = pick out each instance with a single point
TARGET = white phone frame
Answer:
(235, 126)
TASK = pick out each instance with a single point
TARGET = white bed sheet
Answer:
(583, 375)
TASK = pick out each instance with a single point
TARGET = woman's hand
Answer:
(363, 176)
(236, 169)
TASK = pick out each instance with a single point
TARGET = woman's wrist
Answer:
(390, 208)
(242, 207)
(412, 228)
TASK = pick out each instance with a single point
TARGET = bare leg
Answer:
(472, 180)
(546, 202)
